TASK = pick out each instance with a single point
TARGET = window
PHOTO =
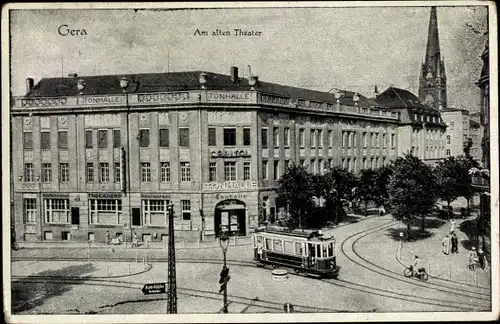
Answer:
(212, 171)
(184, 137)
(330, 139)
(118, 172)
(373, 140)
(88, 139)
(185, 171)
(393, 140)
(264, 170)
(186, 210)
(320, 138)
(154, 212)
(212, 137)
(246, 136)
(448, 139)
(448, 152)
(117, 141)
(144, 137)
(264, 137)
(229, 171)
(146, 172)
(350, 138)
(378, 162)
(302, 139)
(47, 172)
(276, 136)
(276, 170)
(28, 140)
(229, 136)
(289, 247)
(102, 139)
(62, 140)
(344, 164)
(349, 165)
(164, 137)
(165, 171)
(28, 172)
(384, 140)
(314, 166)
(105, 211)
(104, 172)
(29, 210)
(57, 210)
(278, 245)
(64, 172)
(90, 172)
(364, 163)
(45, 140)
(344, 139)
(246, 170)
(377, 140)
(286, 137)
(303, 163)
(372, 163)
(313, 138)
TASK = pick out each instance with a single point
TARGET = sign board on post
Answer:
(288, 308)
(154, 288)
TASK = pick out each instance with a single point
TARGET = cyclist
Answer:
(415, 267)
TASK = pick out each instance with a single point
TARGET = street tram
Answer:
(305, 251)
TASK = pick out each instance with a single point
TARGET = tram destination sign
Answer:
(154, 288)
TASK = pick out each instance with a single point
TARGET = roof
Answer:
(182, 81)
(451, 109)
(398, 98)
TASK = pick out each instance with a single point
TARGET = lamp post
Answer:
(124, 83)
(224, 243)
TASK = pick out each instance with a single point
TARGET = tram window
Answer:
(268, 244)
(298, 248)
(278, 245)
(330, 249)
(289, 247)
(259, 241)
(325, 252)
(318, 251)
(312, 250)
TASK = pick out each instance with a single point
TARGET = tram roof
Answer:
(309, 234)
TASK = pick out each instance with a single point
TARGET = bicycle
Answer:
(410, 272)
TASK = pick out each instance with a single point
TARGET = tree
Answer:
(412, 190)
(382, 177)
(295, 191)
(448, 179)
(465, 187)
(366, 187)
(338, 184)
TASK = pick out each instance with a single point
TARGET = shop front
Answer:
(230, 216)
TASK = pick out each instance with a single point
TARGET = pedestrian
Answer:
(453, 225)
(134, 240)
(108, 238)
(381, 210)
(480, 257)
(473, 259)
(446, 244)
(454, 243)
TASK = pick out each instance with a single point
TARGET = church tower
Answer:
(432, 87)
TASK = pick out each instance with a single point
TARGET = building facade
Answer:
(101, 154)
(461, 129)
(421, 129)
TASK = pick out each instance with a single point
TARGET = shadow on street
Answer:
(27, 295)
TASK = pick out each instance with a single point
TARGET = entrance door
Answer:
(75, 216)
(230, 215)
(136, 216)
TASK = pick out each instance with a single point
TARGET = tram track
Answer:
(338, 282)
(396, 276)
(235, 299)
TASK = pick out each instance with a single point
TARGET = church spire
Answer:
(432, 89)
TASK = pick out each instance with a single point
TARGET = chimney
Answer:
(73, 75)
(234, 74)
(29, 84)
(375, 92)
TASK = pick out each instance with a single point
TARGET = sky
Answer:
(317, 48)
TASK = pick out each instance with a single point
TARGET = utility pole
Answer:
(172, 283)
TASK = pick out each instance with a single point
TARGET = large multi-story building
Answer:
(421, 129)
(109, 153)
(461, 128)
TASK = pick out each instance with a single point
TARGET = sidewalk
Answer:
(428, 247)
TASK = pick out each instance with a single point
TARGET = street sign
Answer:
(154, 288)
